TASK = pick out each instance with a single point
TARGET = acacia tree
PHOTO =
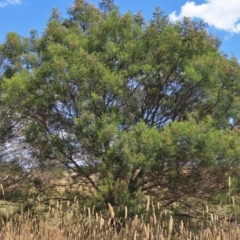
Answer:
(133, 107)
(13, 157)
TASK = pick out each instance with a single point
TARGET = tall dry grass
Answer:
(64, 220)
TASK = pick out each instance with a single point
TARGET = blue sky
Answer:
(223, 16)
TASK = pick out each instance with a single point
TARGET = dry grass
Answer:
(67, 220)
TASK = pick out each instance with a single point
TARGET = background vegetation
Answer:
(112, 110)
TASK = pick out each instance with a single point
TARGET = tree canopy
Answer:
(133, 107)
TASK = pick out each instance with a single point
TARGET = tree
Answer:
(133, 107)
(17, 158)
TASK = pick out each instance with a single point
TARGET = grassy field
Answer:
(59, 214)
(58, 219)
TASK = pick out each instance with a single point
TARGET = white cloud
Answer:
(221, 14)
(7, 2)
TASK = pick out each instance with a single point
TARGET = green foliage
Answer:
(133, 107)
